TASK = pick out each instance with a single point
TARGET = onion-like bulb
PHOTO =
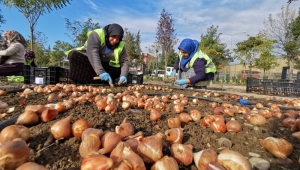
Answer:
(79, 126)
(195, 114)
(233, 160)
(13, 154)
(48, 115)
(62, 128)
(257, 119)
(178, 108)
(279, 147)
(31, 166)
(204, 157)
(27, 118)
(174, 135)
(154, 115)
(97, 161)
(182, 153)
(88, 131)
(90, 145)
(233, 126)
(165, 163)
(14, 131)
(174, 122)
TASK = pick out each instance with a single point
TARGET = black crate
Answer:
(42, 75)
(135, 79)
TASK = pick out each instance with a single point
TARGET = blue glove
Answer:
(105, 77)
(243, 102)
(181, 82)
(123, 80)
(173, 73)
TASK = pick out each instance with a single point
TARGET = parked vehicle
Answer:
(160, 73)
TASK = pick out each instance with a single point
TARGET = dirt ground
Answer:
(64, 154)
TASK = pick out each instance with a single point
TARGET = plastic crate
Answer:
(135, 79)
(41, 75)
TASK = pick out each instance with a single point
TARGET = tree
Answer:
(212, 46)
(2, 21)
(79, 30)
(266, 61)
(39, 48)
(249, 50)
(133, 48)
(153, 50)
(33, 9)
(278, 29)
(293, 46)
(58, 52)
(165, 35)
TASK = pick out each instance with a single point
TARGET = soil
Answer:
(64, 154)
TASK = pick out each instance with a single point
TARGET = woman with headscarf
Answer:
(193, 66)
(106, 56)
(14, 63)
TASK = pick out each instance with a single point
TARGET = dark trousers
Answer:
(81, 70)
(15, 69)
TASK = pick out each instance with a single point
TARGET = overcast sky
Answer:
(191, 17)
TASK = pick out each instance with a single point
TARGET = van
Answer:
(160, 73)
(168, 71)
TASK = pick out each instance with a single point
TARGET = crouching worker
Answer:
(29, 58)
(102, 57)
(194, 67)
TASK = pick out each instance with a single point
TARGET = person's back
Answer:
(13, 56)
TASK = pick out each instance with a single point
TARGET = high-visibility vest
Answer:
(209, 67)
(28, 63)
(117, 51)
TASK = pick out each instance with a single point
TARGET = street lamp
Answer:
(231, 35)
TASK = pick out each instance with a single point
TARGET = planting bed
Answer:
(64, 154)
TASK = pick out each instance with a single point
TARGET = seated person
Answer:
(29, 58)
(103, 55)
(193, 66)
(14, 63)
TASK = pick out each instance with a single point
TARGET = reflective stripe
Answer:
(209, 67)
(101, 34)
(27, 63)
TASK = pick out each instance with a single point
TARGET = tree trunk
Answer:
(31, 36)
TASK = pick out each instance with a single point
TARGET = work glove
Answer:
(122, 80)
(181, 82)
(105, 77)
(173, 73)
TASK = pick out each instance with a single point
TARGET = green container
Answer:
(17, 79)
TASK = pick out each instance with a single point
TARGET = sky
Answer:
(236, 19)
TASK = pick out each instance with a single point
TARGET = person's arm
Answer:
(176, 65)
(33, 63)
(124, 63)
(12, 49)
(93, 51)
(199, 68)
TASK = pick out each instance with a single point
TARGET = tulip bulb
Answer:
(204, 157)
(96, 161)
(182, 153)
(165, 163)
(279, 147)
(90, 145)
(31, 166)
(27, 118)
(232, 160)
(12, 132)
(62, 128)
(125, 128)
(174, 135)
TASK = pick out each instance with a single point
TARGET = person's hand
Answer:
(105, 77)
(181, 82)
(122, 80)
(173, 73)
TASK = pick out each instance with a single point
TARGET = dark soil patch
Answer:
(64, 154)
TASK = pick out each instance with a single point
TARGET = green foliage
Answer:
(133, 48)
(79, 30)
(32, 10)
(266, 61)
(212, 46)
(2, 21)
(58, 52)
(252, 48)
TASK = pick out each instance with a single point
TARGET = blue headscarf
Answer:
(190, 46)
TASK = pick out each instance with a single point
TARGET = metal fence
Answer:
(239, 78)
